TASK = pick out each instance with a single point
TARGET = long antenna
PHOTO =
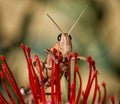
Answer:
(77, 19)
(55, 23)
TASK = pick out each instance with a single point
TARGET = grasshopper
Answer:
(64, 45)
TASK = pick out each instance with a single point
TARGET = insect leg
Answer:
(51, 54)
(80, 58)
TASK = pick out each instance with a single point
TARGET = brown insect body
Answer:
(64, 45)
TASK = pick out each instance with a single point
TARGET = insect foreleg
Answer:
(51, 54)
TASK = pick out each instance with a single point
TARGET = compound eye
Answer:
(59, 37)
(70, 37)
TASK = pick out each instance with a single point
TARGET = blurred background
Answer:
(97, 34)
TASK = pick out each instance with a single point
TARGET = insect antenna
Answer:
(77, 19)
(55, 23)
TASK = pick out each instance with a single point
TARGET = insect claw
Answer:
(22, 91)
(34, 63)
(25, 91)
(81, 58)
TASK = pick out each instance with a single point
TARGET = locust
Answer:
(63, 45)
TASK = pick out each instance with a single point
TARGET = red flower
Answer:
(37, 85)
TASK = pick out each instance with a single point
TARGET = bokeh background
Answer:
(96, 34)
